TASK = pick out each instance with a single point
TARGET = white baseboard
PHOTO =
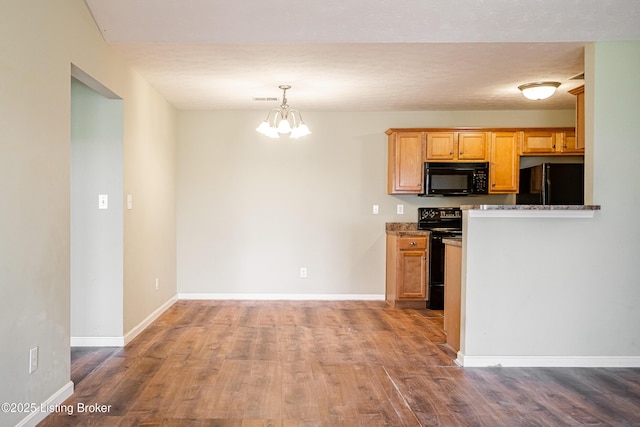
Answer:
(47, 406)
(276, 297)
(129, 336)
(549, 361)
(126, 339)
(97, 341)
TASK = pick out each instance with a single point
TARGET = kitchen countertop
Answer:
(404, 228)
(533, 207)
(453, 241)
(531, 211)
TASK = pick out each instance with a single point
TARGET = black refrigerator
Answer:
(552, 184)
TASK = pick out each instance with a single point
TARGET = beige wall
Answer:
(252, 210)
(39, 40)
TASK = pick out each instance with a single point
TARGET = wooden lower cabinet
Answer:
(407, 270)
(452, 294)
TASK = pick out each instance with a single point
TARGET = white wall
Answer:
(565, 291)
(252, 210)
(39, 40)
(96, 234)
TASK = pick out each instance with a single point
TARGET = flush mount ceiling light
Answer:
(283, 120)
(539, 90)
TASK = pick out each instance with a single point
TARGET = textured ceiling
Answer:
(356, 55)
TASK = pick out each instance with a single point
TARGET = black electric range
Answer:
(442, 223)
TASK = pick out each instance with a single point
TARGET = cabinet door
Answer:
(452, 284)
(539, 143)
(579, 93)
(504, 165)
(406, 164)
(566, 142)
(412, 270)
(472, 146)
(440, 146)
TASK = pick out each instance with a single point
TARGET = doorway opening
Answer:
(96, 213)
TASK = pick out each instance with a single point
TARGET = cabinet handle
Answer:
(462, 152)
(450, 152)
(412, 243)
(493, 184)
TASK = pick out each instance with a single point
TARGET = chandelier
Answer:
(539, 90)
(284, 120)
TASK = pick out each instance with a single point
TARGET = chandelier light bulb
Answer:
(284, 126)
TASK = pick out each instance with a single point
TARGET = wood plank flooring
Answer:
(320, 363)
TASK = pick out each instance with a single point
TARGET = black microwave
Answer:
(455, 179)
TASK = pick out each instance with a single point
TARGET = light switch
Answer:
(129, 201)
(376, 209)
(103, 201)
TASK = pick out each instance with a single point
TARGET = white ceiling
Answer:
(361, 55)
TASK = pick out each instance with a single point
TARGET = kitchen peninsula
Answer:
(521, 270)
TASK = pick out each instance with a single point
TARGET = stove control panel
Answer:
(439, 213)
(432, 218)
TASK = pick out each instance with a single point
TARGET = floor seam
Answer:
(395, 386)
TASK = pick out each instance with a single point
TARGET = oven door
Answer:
(436, 268)
(436, 264)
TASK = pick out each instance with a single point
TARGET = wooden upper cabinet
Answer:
(579, 93)
(472, 146)
(502, 147)
(405, 173)
(441, 146)
(567, 143)
(552, 142)
(457, 146)
(538, 142)
(504, 165)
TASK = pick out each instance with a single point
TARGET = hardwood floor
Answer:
(302, 363)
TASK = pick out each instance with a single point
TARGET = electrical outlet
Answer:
(129, 201)
(33, 360)
(400, 209)
(157, 283)
(376, 209)
(303, 271)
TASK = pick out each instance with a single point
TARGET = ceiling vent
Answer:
(264, 99)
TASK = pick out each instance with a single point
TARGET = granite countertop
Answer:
(453, 241)
(533, 207)
(531, 211)
(404, 228)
